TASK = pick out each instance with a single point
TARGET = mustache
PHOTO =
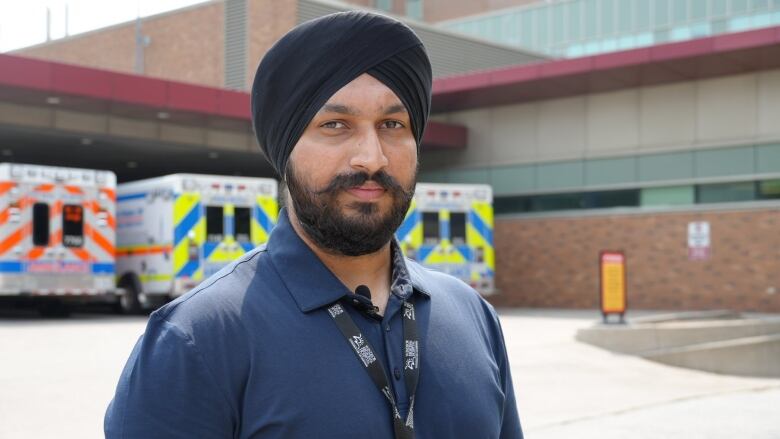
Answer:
(347, 181)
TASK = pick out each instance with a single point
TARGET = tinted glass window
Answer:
(73, 225)
(215, 223)
(623, 198)
(243, 222)
(667, 196)
(458, 227)
(430, 226)
(516, 204)
(769, 189)
(543, 203)
(40, 230)
(726, 192)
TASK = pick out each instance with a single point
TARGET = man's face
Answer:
(351, 175)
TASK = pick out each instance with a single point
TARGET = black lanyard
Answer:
(367, 355)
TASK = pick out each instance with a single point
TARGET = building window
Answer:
(668, 196)
(385, 5)
(726, 192)
(518, 204)
(769, 189)
(606, 199)
(414, 9)
(656, 196)
(544, 203)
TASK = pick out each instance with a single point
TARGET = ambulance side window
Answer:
(72, 225)
(215, 223)
(40, 230)
(430, 227)
(242, 217)
(458, 228)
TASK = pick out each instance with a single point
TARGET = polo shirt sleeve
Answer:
(167, 390)
(510, 426)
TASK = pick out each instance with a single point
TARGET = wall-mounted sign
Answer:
(699, 240)
(612, 269)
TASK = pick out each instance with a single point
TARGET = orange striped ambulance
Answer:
(57, 233)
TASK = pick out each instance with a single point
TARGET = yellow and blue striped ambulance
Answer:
(176, 230)
(56, 235)
(449, 227)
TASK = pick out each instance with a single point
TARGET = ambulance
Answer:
(449, 228)
(57, 234)
(176, 230)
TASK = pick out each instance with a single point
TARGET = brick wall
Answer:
(553, 262)
(186, 45)
(112, 49)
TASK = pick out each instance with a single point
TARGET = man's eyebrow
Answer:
(339, 108)
(397, 108)
(351, 111)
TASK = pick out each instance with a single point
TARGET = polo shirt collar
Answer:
(311, 284)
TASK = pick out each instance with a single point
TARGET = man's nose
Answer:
(369, 155)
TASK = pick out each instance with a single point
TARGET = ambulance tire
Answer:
(52, 308)
(129, 303)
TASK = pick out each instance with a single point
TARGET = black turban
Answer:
(317, 58)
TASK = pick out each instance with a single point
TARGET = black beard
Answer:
(365, 232)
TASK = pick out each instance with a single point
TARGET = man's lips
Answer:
(367, 193)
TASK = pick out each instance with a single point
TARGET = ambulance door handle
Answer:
(17, 250)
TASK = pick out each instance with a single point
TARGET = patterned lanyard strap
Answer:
(367, 355)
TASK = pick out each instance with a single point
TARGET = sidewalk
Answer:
(568, 389)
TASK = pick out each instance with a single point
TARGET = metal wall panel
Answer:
(235, 44)
(450, 53)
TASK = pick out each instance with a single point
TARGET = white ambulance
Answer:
(56, 235)
(177, 230)
(449, 227)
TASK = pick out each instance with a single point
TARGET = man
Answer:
(326, 331)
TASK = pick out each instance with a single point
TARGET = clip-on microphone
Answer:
(364, 303)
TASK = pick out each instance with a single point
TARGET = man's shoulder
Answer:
(222, 295)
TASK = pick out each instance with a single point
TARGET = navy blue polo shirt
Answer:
(253, 353)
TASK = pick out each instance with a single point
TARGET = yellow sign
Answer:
(613, 283)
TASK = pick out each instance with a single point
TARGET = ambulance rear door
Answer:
(55, 254)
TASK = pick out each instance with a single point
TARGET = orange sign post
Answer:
(612, 280)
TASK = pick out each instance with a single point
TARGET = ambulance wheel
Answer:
(128, 302)
(53, 308)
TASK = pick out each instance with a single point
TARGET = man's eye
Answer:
(333, 124)
(392, 124)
